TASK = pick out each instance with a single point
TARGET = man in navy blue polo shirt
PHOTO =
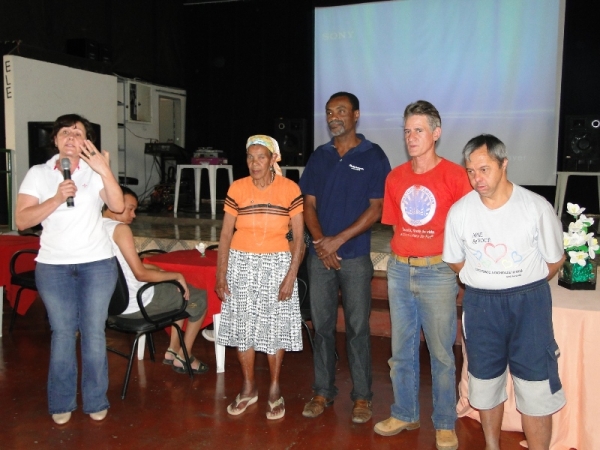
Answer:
(343, 186)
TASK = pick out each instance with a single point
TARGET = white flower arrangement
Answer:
(201, 247)
(577, 242)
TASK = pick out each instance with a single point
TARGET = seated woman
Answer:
(160, 298)
(256, 271)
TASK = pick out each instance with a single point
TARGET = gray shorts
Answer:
(167, 298)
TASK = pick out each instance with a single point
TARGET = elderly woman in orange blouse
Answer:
(256, 271)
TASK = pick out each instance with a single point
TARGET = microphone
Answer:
(65, 163)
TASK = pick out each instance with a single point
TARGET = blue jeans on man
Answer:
(423, 297)
(76, 297)
(354, 281)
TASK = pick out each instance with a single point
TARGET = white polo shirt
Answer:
(71, 235)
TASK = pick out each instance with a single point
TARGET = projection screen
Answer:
(489, 66)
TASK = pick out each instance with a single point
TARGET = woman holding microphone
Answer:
(76, 270)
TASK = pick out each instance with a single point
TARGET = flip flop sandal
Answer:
(274, 416)
(237, 411)
(202, 368)
(169, 362)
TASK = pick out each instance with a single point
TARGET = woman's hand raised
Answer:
(98, 160)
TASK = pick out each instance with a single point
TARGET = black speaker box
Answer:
(85, 48)
(89, 49)
(582, 144)
(290, 134)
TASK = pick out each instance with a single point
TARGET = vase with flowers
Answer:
(579, 270)
(201, 247)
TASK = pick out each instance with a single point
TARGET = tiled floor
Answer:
(166, 410)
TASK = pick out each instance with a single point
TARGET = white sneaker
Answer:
(100, 415)
(61, 419)
(209, 335)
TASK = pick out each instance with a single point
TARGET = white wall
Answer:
(133, 162)
(41, 91)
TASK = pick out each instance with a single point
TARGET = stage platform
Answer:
(165, 232)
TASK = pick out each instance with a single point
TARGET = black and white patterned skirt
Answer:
(252, 317)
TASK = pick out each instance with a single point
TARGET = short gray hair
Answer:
(424, 108)
(495, 147)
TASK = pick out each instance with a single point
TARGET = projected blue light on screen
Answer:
(488, 66)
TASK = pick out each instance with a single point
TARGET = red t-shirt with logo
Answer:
(417, 204)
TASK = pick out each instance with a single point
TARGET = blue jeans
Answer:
(76, 297)
(423, 297)
(354, 280)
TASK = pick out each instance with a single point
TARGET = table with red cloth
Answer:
(9, 245)
(576, 319)
(198, 271)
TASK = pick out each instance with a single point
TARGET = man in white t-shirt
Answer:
(505, 243)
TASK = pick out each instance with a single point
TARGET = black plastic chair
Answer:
(149, 252)
(25, 280)
(143, 254)
(145, 326)
(305, 312)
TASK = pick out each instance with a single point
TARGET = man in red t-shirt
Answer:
(422, 289)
